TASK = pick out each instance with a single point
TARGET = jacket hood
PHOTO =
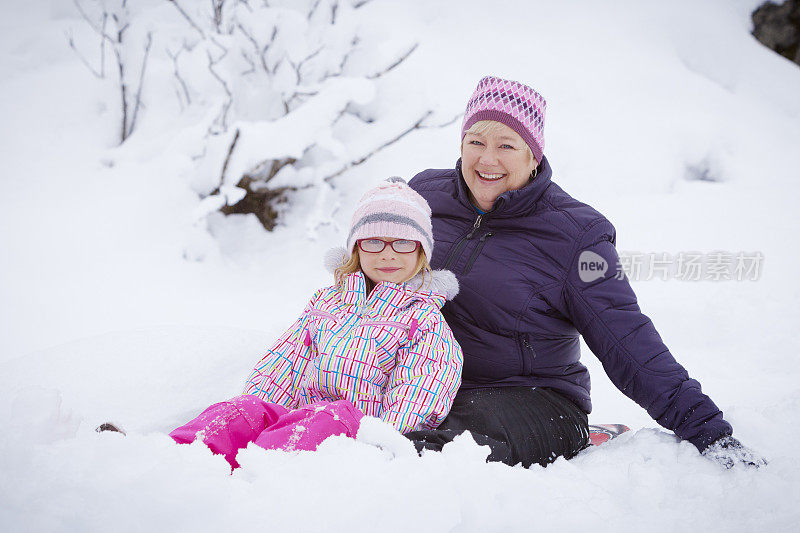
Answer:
(514, 203)
(442, 282)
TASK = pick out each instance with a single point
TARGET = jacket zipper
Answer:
(475, 226)
(477, 251)
(460, 243)
(526, 348)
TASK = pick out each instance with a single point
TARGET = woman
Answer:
(536, 269)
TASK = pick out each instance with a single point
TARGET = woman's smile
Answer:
(486, 176)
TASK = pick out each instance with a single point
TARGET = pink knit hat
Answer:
(516, 105)
(392, 209)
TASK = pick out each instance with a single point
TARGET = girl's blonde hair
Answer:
(354, 265)
(490, 126)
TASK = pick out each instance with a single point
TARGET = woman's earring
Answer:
(534, 173)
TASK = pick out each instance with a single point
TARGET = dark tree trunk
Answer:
(258, 200)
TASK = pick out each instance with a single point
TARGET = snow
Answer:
(117, 305)
(289, 135)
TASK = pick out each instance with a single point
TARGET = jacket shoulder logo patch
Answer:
(591, 266)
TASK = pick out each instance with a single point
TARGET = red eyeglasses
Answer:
(375, 246)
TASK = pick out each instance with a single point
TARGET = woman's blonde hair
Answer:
(490, 126)
(354, 265)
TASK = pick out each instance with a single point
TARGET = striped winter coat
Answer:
(392, 354)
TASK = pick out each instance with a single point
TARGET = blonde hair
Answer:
(354, 265)
(492, 126)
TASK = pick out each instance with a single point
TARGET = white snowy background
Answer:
(115, 305)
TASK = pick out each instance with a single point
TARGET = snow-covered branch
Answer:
(396, 63)
(416, 125)
(222, 119)
(184, 92)
(189, 19)
(118, 42)
(138, 99)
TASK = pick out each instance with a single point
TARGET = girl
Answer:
(374, 343)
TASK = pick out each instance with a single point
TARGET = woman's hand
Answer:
(729, 452)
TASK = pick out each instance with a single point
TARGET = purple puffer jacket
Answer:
(537, 270)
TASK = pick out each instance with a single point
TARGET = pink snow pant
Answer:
(232, 425)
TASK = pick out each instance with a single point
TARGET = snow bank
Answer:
(59, 476)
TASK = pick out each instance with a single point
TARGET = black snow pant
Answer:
(519, 424)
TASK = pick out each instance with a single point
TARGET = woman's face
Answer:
(493, 162)
(388, 265)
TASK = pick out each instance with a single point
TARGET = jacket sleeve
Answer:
(603, 307)
(277, 376)
(425, 378)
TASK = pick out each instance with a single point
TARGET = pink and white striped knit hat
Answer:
(516, 105)
(395, 210)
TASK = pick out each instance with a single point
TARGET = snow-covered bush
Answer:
(287, 93)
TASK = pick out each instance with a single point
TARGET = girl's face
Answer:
(388, 265)
(493, 162)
